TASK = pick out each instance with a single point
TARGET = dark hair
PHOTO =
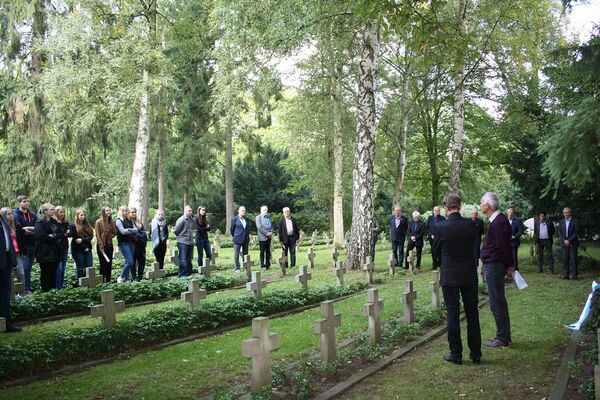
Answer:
(543, 212)
(202, 219)
(452, 201)
(22, 197)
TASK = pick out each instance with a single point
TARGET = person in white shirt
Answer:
(543, 231)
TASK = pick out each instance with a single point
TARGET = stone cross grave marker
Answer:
(384, 241)
(175, 257)
(335, 255)
(408, 298)
(156, 272)
(2, 324)
(434, 286)
(480, 273)
(326, 238)
(392, 264)
(259, 349)
(214, 252)
(369, 268)
(206, 267)
(283, 263)
(108, 309)
(411, 262)
(17, 287)
(117, 255)
(325, 326)
(311, 257)
(339, 272)
(253, 241)
(303, 277)
(217, 241)
(91, 279)
(313, 240)
(194, 294)
(373, 310)
(256, 285)
(300, 240)
(248, 264)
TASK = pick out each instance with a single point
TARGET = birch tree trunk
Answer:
(160, 132)
(401, 162)
(139, 177)
(338, 157)
(362, 175)
(459, 105)
(228, 178)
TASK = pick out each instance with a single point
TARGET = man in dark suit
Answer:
(8, 259)
(478, 233)
(288, 235)
(454, 245)
(543, 231)
(431, 221)
(398, 226)
(496, 256)
(240, 232)
(517, 231)
(416, 231)
(568, 230)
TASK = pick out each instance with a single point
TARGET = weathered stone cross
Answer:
(206, 267)
(339, 272)
(392, 264)
(194, 294)
(175, 257)
(311, 257)
(369, 268)
(256, 285)
(411, 262)
(156, 272)
(248, 264)
(259, 349)
(108, 309)
(214, 252)
(434, 286)
(325, 326)
(335, 255)
(303, 277)
(480, 273)
(373, 310)
(283, 263)
(91, 279)
(17, 287)
(408, 298)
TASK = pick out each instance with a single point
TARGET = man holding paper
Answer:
(497, 259)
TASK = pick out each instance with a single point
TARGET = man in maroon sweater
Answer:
(497, 259)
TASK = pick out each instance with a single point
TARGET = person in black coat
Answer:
(288, 235)
(454, 246)
(431, 221)
(398, 226)
(517, 231)
(568, 231)
(416, 231)
(8, 260)
(49, 236)
(478, 222)
(543, 231)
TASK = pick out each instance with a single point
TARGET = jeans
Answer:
(28, 261)
(398, 251)
(265, 253)
(203, 244)
(83, 260)
(127, 249)
(290, 246)
(236, 253)
(61, 268)
(186, 254)
(494, 275)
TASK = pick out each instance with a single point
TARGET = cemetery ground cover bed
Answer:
(525, 370)
(201, 367)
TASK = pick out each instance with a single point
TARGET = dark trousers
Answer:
(469, 296)
(398, 251)
(203, 245)
(515, 254)
(139, 262)
(83, 260)
(569, 258)
(236, 253)
(494, 275)
(477, 250)
(106, 266)
(373, 243)
(48, 275)
(184, 263)
(541, 245)
(265, 253)
(5, 289)
(411, 245)
(159, 253)
(435, 260)
(290, 246)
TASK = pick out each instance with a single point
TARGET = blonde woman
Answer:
(126, 232)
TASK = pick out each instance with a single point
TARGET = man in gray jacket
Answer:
(184, 231)
(265, 233)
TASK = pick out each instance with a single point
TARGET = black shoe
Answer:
(574, 277)
(12, 329)
(564, 277)
(452, 360)
(476, 360)
(540, 271)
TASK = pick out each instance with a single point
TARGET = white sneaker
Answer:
(120, 280)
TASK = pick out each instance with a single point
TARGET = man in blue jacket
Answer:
(240, 232)
(431, 221)
(398, 226)
(517, 231)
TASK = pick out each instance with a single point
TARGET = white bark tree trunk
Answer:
(228, 178)
(338, 158)
(139, 177)
(401, 165)
(161, 159)
(362, 175)
(459, 106)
